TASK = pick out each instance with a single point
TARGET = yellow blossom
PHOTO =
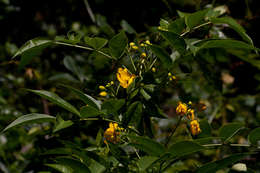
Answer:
(102, 87)
(195, 127)
(142, 44)
(103, 93)
(124, 77)
(181, 109)
(154, 69)
(169, 74)
(173, 77)
(112, 83)
(143, 55)
(132, 44)
(134, 47)
(112, 133)
(148, 42)
(192, 114)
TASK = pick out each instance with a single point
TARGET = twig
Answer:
(83, 47)
(186, 32)
(173, 131)
(90, 12)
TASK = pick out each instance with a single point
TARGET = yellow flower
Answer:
(181, 109)
(192, 115)
(102, 87)
(148, 42)
(103, 93)
(142, 45)
(154, 69)
(134, 47)
(124, 77)
(112, 133)
(143, 55)
(132, 44)
(195, 127)
(169, 74)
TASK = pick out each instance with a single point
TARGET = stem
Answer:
(232, 145)
(173, 131)
(92, 16)
(154, 61)
(196, 27)
(132, 62)
(83, 47)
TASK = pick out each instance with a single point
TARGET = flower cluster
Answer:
(103, 89)
(171, 77)
(112, 134)
(182, 109)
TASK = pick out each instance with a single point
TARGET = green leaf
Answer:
(177, 26)
(96, 167)
(254, 136)
(61, 124)
(205, 129)
(147, 145)
(61, 168)
(244, 56)
(184, 148)
(64, 77)
(175, 40)
(77, 166)
(162, 55)
(145, 162)
(226, 44)
(111, 106)
(133, 114)
(195, 19)
(234, 25)
(34, 43)
(96, 42)
(30, 118)
(227, 131)
(217, 11)
(118, 44)
(150, 87)
(71, 65)
(127, 28)
(145, 94)
(52, 97)
(31, 49)
(220, 164)
(88, 100)
(89, 111)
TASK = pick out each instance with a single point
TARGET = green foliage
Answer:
(54, 98)
(30, 118)
(125, 96)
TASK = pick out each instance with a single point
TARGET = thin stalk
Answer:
(90, 12)
(132, 62)
(186, 32)
(173, 131)
(154, 61)
(232, 145)
(83, 47)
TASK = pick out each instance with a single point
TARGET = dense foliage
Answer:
(126, 92)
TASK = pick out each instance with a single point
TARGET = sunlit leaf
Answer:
(30, 118)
